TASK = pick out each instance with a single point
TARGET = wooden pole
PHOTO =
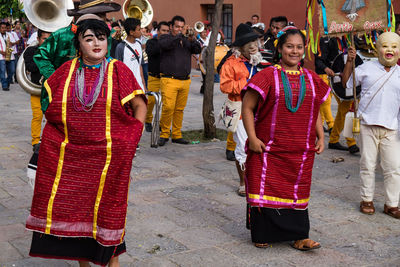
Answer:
(356, 120)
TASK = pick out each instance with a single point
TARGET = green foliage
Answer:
(7, 5)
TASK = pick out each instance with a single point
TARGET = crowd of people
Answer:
(95, 74)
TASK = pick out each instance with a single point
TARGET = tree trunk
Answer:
(208, 101)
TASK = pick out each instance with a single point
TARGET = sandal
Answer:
(367, 207)
(306, 244)
(241, 191)
(261, 245)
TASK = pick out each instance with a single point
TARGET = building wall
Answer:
(192, 10)
(294, 10)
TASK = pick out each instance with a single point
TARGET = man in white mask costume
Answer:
(379, 111)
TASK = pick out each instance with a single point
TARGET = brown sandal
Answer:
(261, 245)
(392, 211)
(367, 207)
(306, 244)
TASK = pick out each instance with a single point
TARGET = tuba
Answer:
(49, 16)
(138, 9)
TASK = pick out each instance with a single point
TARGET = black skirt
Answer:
(277, 225)
(73, 248)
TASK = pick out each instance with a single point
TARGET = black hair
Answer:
(115, 24)
(255, 15)
(3, 23)
(162, 23)
(98, 27)
(154, 24)
(282, 40)
(130, 24)
(249, 23)
(177, 18)
(8, 24)
(40, 32)
(279, 19)
(15, 22)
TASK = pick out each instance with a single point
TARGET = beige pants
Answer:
(376, 140)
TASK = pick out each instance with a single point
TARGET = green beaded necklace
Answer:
(288, 91)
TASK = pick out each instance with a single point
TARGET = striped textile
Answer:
(281, 176)
(85, 159)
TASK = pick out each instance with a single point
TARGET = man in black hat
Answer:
(235, 73)
(59, 47)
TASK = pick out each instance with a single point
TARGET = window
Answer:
(226, 20)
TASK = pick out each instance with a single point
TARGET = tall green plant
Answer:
(11, 8)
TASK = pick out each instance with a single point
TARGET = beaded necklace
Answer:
(87, 100)
(288, 91)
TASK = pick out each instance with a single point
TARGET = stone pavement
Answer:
(183, 209)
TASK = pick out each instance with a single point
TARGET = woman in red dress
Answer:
(94, 123)
(280, 114)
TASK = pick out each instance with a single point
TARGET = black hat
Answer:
(94, 7)
(244, 34)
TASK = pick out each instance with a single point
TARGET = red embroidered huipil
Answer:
(85, 158)
(281, 176)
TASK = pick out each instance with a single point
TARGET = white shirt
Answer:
(3, 41)
(16, 39)
(32, 39)
(209, 36)
(130, 60)
(383, 109)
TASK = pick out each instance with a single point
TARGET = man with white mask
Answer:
(379, 110)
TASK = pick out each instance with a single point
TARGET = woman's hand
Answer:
(256, 145)
(319, 146)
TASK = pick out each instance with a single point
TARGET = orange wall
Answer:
(192, 12)
(294, 10)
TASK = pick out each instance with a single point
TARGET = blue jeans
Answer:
(10, 66)
(3, 79)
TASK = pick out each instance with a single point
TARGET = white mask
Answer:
(388, 49)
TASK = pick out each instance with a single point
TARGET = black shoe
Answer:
(353, 149)
(180, 141)
(162, 141)
(230, 155)
(337, 146)
(148, 127)
(36, 148)
(6, 89)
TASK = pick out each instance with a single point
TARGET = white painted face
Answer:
(388, 48)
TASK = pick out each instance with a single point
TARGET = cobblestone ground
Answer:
(183, 209)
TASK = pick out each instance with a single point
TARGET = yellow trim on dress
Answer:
(62, 149)
(277, 199)
(131, 96)
(108, 138)
(47, 87)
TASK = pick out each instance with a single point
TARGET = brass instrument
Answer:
(199, 26)
(9, 50)
(49, 16)
(138, 9)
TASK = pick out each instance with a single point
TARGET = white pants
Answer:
(240, 137)
(378, 140)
